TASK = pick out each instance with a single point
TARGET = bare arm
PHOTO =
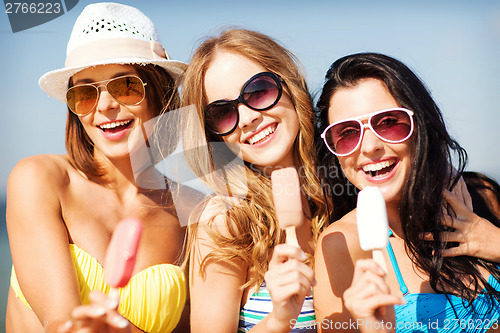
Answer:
(216, 296)
(334, 270)
(39, 240)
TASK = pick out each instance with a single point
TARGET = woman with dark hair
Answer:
(63, 209)
(379, 126)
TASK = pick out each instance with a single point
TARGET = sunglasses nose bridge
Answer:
(246, 115)
(369, 141)
(99, 89)
(105, 100)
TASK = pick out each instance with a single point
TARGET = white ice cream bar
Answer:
(371, 216)
(286, 197)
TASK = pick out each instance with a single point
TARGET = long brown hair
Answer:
(432, 171)
(252, 225)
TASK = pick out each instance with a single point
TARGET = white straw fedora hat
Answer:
(109, 33)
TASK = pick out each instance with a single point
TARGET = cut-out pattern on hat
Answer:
(97, 25)
(106, 25)
(108, 20)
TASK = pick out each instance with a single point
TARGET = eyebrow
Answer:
(85, 81)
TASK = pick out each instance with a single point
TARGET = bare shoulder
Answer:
(215, 210)
(341, 238)
(40, 181)
(211, 228)
(40, 170)
(336, 253)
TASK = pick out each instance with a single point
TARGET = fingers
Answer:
(459, 207)
(447, 236)
(95, 316)
(284, 252)
(293, 275)
(65, 327)
(288, 275)
(87, 312)
(110, 301)
(462, 193)
(459, 250)
(368, 278)
(100, 315)
(363, 266)
(287, 259)
(452, 200)
(369, 294)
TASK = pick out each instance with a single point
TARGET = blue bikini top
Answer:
(440, 313)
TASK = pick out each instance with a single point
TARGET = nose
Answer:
(248, 117)
(106, 101)
(370, 143)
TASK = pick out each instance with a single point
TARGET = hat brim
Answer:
(55, 83)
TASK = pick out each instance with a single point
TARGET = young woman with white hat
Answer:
(62, 209)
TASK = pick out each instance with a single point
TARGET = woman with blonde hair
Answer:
(253, 103)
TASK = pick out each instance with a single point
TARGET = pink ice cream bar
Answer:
(122, 252)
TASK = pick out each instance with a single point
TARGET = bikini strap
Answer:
(395, 266)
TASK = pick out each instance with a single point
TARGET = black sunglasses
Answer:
(261, 92)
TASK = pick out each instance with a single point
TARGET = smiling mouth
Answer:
(262, 135)
(115, 126)
(379, 169)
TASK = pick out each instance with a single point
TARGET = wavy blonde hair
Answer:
(252, 226)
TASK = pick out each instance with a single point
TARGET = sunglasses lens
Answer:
(81, 99)
(392, 126)
(221, 117)
(261, 93)
(127, 90)
(343, 137)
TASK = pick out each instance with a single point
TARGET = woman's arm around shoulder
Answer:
(38, 237)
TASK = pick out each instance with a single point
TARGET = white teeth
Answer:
(115, 124)
(261, 135)
(377, 166)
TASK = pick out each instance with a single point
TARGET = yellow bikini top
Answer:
(153, 300)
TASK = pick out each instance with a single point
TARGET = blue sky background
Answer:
(453, 45)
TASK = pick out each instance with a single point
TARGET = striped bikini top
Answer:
(153, 300)
(260, 305)
(442, 313)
